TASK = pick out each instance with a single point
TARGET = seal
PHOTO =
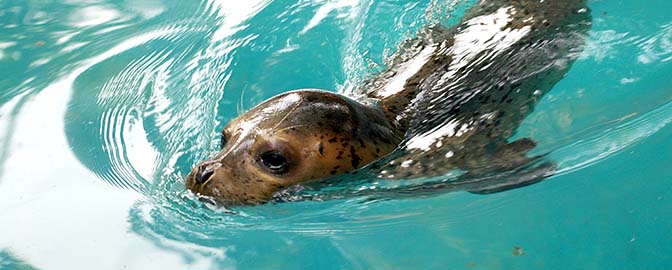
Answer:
(453, 96)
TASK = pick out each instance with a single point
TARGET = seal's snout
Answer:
(203, 173)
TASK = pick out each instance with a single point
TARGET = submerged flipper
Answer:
(508, 168)
(514, 181)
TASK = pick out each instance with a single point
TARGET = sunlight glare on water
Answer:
(106, 105)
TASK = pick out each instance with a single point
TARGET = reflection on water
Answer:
(105, 106)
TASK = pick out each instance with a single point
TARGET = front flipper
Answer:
(508, 168)
(484, 158)
(515, 180)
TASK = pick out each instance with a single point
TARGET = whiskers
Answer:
(290, 127)
(240, 108)
(288, 113)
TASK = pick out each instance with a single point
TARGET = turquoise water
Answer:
(106, 105)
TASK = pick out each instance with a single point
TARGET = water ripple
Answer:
(150, 98)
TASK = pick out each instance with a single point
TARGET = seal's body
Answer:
(457, 94)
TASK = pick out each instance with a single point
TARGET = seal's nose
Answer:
(204, 173)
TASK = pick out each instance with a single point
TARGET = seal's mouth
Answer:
(214, 187)
(198, 190)
(202, 182)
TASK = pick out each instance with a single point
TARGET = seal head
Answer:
(292, 138)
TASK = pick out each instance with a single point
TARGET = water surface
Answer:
(106, 105)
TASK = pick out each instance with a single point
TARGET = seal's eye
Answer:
(274, 161)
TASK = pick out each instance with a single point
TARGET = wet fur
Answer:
(492, 97)
(488, 96)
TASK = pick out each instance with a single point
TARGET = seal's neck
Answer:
(376, 124)
(412, 67)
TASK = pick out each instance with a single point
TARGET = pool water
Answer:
(106, 105)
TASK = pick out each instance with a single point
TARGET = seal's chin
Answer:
(198, 190)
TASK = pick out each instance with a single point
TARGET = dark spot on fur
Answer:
(361, 143)
(385, 140)
(332, 172)
(355, 158)
(321, 149)
(333, 140)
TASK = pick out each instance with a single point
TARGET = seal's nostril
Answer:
(204, 173)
